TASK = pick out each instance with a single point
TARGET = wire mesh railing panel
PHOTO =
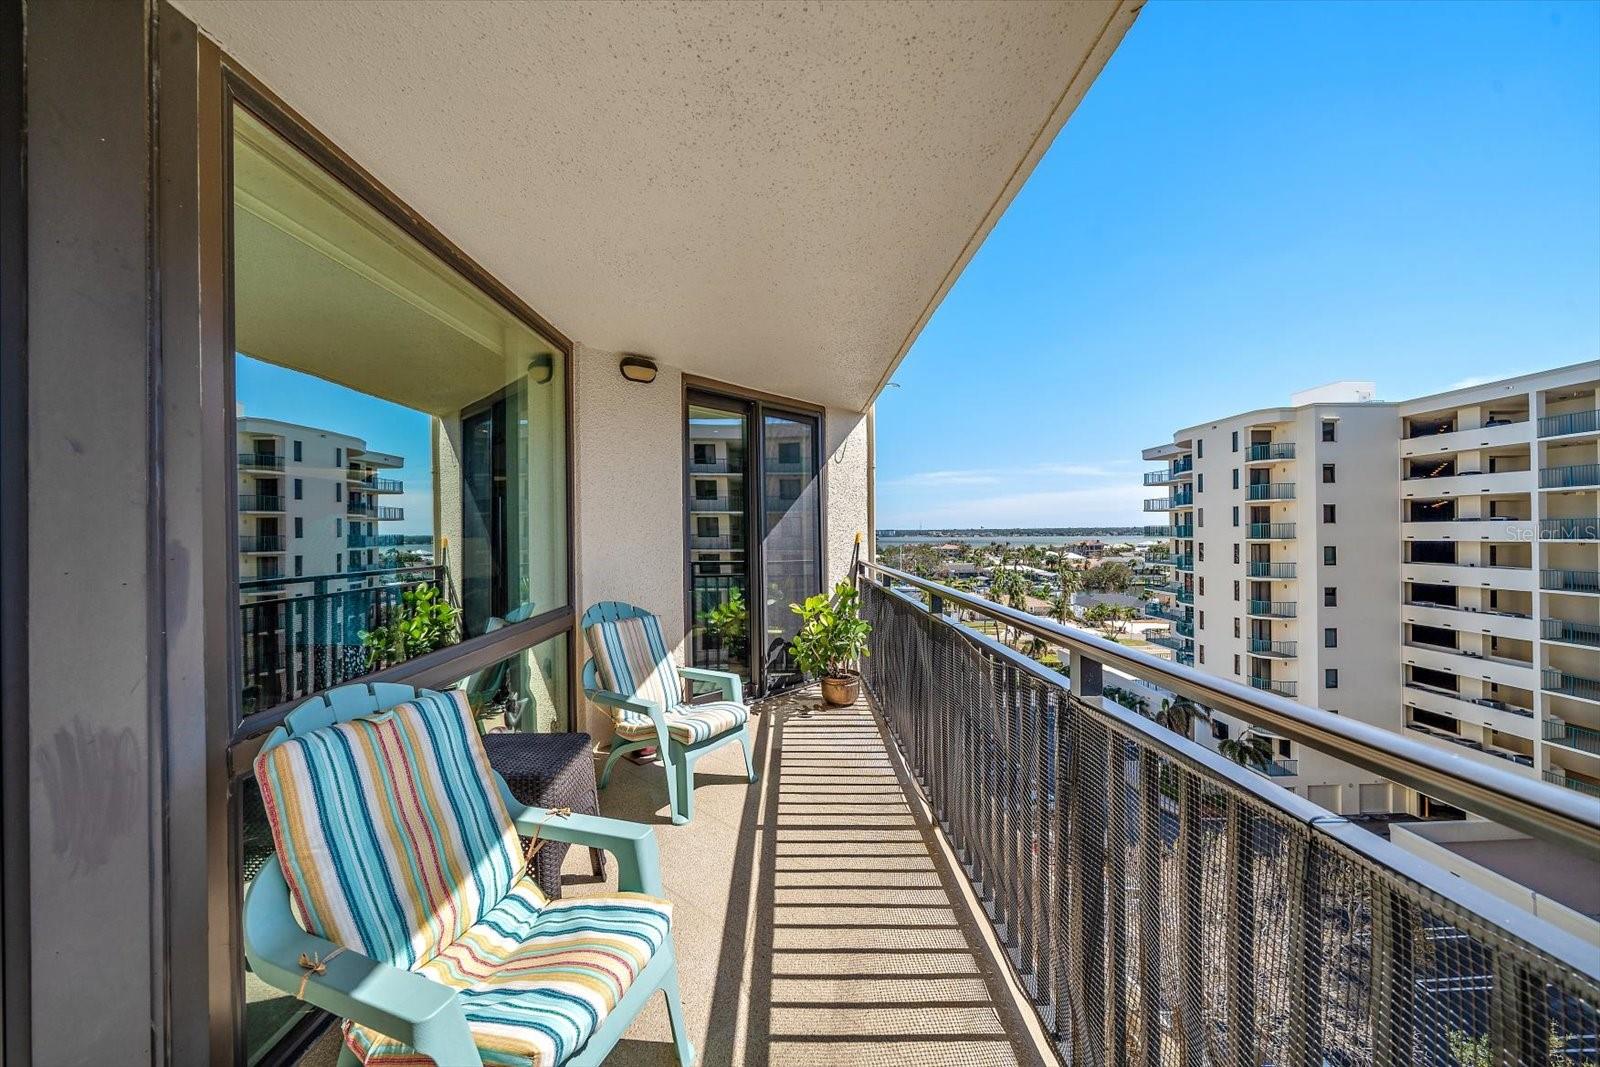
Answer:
(1158, 909)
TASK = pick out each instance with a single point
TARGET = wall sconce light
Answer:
(638, 368)
(542, 368)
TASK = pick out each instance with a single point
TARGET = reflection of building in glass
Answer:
(718, 552)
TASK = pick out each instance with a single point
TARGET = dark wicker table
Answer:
(549, 771)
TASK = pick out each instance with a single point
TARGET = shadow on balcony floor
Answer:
(816, 918)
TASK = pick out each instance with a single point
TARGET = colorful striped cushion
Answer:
(390, 829)
(690, 723)
(537, 978)
(631, 658)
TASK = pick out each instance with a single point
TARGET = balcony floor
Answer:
(816, 916)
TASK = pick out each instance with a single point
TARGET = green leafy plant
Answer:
(729, 621)
(425, 622)
(833, 635)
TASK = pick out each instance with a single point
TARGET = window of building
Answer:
(1236, 475)
(1200, 516)
(299, 526)
(1201, 622)
(1236, 553)
(297, 452)
(299, 489)
(1330, 596)
(299, 566)
(1200, 449)
(1327, 473)
(338, 561)
(1329, 513)
(706, 526)
(1236, 589)
(705, 488)
(1200, 548)
(1330, 637)
(1219, 729)
(1330, 678)
(1236, 661)
(1285, 747)
(1199, 483)
(1330, 429)
(1236, 626)
(1202, 653)
(1202, 587)
(338, 527)
(789, 488)
(789, 452)
(338, 458)
(1236, 448)
(1236, 514)
(1330, 555)
(705, 455)
(338, 491)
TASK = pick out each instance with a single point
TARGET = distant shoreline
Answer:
(1014, 531)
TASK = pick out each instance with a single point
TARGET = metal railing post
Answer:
(1240, 934)
(1087, 803)
(1191, 856)
(1394, 979)
(1150, 903)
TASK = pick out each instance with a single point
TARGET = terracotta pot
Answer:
(841, 692)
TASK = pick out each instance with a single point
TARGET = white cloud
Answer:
(1045, 493)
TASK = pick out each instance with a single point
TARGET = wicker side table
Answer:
(549, 771)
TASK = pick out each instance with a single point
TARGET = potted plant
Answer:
(831, 641)
(425, 622)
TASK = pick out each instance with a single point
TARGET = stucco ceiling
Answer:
(775, 195)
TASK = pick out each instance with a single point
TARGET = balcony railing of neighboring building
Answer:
(1571, 422)
(305, 634)
(723, 541)
(1576, 476)
(1183, 531)
(1152, 895)
(1280, 686)
(1185, 628)
(714, 466)
(1277, 609)
(260, 502)
(260, 461)
(1258, 569)
(1569, 529)
(1270, 491)
(1572, 685)
(362, 540)
(1158, 531)
(1282, 768)
(1168, 475)
(1183, 563)
(1482, 702)
(1177, 644)
(261, 543)
(1573, 633)
(1167, 614)
(1281, 649)
(1186, 596)
(1274, 450)
(1158, 503)
(1569, 581)
(368, 510)
(1183, 497)
(1184, 659)
(1270, 531)
(708, 503)
(1559, 777)
(1582, 738)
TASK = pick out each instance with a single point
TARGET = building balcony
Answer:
(1272, 649)
(1270, 453)
(1183, 563)
(1501, 530)
(1276, 685)
(357, 540)
(1186, 596)
(1576, 476)
(260, 461)
(1282, 768)
(258, 545)
(1185, 628)
(1500, 671)
(1569, 581)
(1569, 529)
(1166, 614)
(260, 503)
(722, 541)
(1581, 738)
(1158, 531)
(1552, 680)
(1471, 620)
(1570, 633)
(1462, 575)
(1272, 609)
(1159, 503)
(1183, 531)
(1270, 531)
(1177, 644)
(367, 481)
(1270, 491)
(368, 510)
(1258, 569)
(1466, 483)
(1496, 436)
(1587, 787)
(1481, 711)
(711, 503)
(1168, 475)
(1573, 422)
(715, 466)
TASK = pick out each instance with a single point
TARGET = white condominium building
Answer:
(1431, 565)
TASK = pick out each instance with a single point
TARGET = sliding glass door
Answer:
(754, 532)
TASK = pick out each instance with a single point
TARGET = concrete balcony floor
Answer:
(817, 917)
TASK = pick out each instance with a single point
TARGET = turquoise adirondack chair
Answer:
(492, 971)
(632, 674)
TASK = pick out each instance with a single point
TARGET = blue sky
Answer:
(1255, 198)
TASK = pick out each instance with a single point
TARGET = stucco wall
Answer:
(846, 456)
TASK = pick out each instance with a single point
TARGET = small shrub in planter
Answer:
(831, 642)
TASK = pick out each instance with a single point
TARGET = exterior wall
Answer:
(846, 481)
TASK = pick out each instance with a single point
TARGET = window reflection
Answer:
(525, 692)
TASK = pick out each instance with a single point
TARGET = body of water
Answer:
(978, 539)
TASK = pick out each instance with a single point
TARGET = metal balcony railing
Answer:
(1183, 531)
(1575, 476)
(1257, 569)
(368, 510)
(1158, 531)
(708, 503)
(260, 461)
(1572, 685)
(1184, 628)
(1177, 644)
(260, 502)
(1582, 738)
(1569, 529)
(1571, 422)
(1274, 450)
(1167, 614)
(1275, 685)
(1573, 633)
(1281, 649)
(1186, 596)
(1270, 531)
(1160, 903)
(1183, 563)
(1158, 503)
(1276, 609)
(263, 543)
(1559, 777)
(1183, 497)
(1570, 581)
(1270, 491)
(1283, 768)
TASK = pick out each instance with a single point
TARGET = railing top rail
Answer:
(1534, 807)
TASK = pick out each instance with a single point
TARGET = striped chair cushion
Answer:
(631, 658)
(690, 723)
(536, 977)
(390, 829)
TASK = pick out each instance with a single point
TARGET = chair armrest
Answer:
(397, 1003)
(633, 844)
(731, 684)
(606, 698)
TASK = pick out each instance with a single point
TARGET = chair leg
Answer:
(749, 760)
(617, 752)
(683, 770)
(346, 1057)
(680, 1029)
(671, 770)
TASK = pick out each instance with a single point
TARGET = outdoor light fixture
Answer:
(542, 368)
(638, 368)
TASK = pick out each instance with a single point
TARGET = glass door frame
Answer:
(196, 252)
(755, 406)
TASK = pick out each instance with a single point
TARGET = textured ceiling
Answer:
(772, 195)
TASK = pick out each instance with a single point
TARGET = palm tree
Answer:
(1179, 715)
(1009, 588)
(1249, 749)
